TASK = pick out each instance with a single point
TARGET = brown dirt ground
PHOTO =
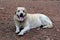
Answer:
(49, 7)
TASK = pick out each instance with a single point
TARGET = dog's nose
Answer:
(21, 14)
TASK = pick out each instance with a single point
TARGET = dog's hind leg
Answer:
(46, 22)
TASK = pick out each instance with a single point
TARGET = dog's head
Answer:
(21, 13)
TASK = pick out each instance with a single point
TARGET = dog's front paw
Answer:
(16, 31)
(20, 34)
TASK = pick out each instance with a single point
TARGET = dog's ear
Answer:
(15, 12)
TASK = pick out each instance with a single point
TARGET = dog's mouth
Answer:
(21, 18)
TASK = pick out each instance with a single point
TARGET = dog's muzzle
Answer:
(21, 17)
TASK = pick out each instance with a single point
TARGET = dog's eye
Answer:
(18, 10)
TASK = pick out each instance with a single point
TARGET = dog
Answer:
(27, 21)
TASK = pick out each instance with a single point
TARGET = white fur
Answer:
(33, 21)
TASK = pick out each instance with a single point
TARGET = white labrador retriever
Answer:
(28, 21)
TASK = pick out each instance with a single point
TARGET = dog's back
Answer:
(39, 19)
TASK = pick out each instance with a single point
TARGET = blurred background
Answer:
(50, 8)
